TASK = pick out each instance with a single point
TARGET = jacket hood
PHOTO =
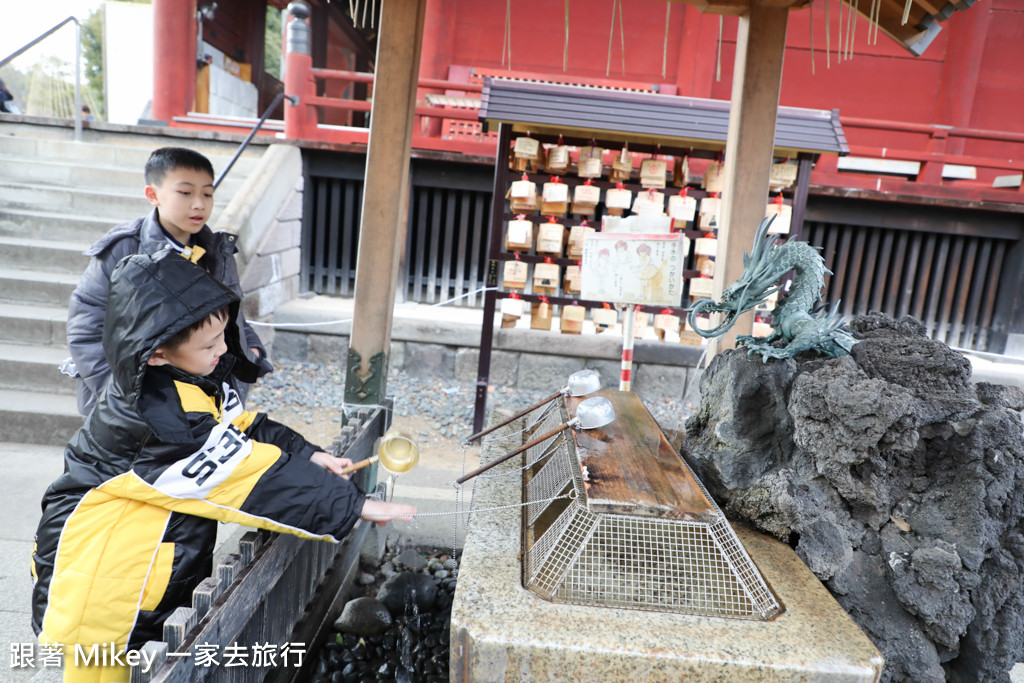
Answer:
(151, 298)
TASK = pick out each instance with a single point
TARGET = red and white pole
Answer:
(628, 334)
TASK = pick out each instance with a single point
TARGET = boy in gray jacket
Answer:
(179, 185)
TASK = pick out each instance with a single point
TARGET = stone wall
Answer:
(266, 214)
(525, 361)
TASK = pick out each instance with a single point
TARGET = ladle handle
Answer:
(498, 461)
(518, 415)
(360, 465)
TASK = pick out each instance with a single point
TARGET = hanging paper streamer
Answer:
(664, 48)
(616, 6)
(565, 48)
(506, 46)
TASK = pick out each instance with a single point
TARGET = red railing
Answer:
(301, 121)
(929, 148)
(993, 157)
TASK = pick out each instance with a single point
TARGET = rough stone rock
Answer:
(411, 560)
(1001, 395)
(896, 480)
(407, 592)
(363, 617)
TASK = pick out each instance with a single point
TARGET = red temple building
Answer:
(923, 216)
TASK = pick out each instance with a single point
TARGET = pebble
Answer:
(447, 405)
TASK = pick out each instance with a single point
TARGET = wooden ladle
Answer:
(581, 383)
(397, 452)
(590, 414)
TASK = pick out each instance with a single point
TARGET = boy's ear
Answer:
(151, 195)
(158, 358)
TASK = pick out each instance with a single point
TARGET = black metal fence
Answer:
(446, 232)
(956, 270)
(946, 267)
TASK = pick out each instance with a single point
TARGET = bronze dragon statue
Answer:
(799, 321)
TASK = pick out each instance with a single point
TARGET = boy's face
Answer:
(200, 354)
(184, 200)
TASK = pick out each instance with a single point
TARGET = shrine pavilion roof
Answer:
(586, 111)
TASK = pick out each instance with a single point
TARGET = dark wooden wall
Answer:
(957, 270)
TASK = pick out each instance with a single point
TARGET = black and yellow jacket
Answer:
(129, 529)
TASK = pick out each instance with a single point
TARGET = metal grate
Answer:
(575, 556)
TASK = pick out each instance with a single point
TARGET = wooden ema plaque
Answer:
(631, 467)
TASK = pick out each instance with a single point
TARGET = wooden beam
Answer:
(757, 79)
(385, 190)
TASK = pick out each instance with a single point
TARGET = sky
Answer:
(23, 21)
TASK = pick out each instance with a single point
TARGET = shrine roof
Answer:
(587, 111)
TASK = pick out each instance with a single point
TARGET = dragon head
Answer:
(754, 286)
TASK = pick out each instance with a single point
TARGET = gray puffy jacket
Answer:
(89, 300)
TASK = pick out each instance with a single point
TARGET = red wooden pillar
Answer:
(174, 58)
(300, 118)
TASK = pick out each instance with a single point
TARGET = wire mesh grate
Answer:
(549, 482)
(614, 560)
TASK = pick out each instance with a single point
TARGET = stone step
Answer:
(122, 152)
(123, 180)
(36, 287)
(102, 204)
(34, 368)
(38, 417)
(37, 325)
(48, 225)
(43, 255)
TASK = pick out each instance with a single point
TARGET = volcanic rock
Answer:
(898, 481)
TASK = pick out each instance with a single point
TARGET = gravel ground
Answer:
(307, 396)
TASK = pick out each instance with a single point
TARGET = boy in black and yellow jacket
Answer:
(128, 530)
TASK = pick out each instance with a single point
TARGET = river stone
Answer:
(364, 617)
(407, 592)
(896, 480)
(411, 560)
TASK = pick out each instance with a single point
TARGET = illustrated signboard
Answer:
(630, 268)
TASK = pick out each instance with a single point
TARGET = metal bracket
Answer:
(369, 389)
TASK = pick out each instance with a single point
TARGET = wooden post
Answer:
(757, 79)
(385, 197)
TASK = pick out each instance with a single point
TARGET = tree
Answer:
(272, 43)
(92, 54)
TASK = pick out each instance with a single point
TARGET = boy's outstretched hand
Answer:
(329, 462)
(380, 513)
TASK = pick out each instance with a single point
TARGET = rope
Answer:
(348, 320)
(565, 49)
(718, 58)
(572, 495)
(812, 38)
(851, 31)
(839, 35)
(828, 36)
(506, 46)
(664, 48)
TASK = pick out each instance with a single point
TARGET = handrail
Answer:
(245, 143)
(930, 128)
(78, 65)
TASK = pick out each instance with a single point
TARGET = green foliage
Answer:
(92, 55)
(17, 82)
(272, 43)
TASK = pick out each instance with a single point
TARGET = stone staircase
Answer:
(57, 196)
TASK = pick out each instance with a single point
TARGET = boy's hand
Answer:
(329, 462)
(380, 513)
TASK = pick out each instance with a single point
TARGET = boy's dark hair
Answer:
(183, 335)
(166, 159)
